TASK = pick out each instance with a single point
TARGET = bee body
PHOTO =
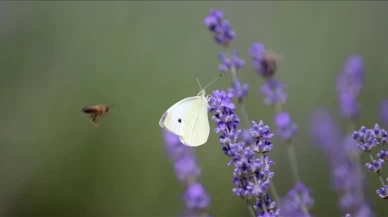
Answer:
(96, 111)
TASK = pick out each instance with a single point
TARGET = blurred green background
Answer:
(143, 57)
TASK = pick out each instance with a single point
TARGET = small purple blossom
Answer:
(221, 29)
(383, 191)
(285, 128)
(383, 155)
(367, 139)
(274, 93)
(297, 201)
(375, 166)
(264, 63)
(196, 197)
(230, 63)
(238, 90)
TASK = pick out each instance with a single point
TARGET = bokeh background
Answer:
(56, 57)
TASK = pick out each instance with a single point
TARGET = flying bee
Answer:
(96, 111)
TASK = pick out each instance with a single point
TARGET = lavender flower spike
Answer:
(349, 84)
(232, 63)
(252, 174)
(196, 198)
(221, 29)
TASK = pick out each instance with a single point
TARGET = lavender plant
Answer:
(248, 147)
(265, 64)
(367, 140)
(340, 150)
(196, 199)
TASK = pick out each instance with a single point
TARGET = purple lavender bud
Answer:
(375, 166)
(370, 138)
(325, 131)
(285, 128)
(174, 148)
(364, 210)
(301, 190)
(260, 131)
(274, 93)
(232, 63)
(222, 32)
(297, 198)
(186, 169)
(349, 200)
(348, 215)
(380, 134)
(384, 111)
(366, 139)
(349, 106)
(196, 197)
(383, 155)
(349, 84)
(264, 63)
(238, 90)
(270, 213)
(383, 192)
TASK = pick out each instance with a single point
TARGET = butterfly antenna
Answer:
(110, 106)
(198, 83)
(213, 81)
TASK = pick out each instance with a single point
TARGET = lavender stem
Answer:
(294, 166)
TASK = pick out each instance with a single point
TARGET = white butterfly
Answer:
(188, 119)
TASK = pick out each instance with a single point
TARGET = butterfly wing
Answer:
(196, 129)
(173, 119)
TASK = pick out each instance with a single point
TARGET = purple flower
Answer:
(186, 169)
(383, 192)
(238, 90)
(375, 166)
(252, 174)
(264, 63)
(349, 84)
(297, 201)
(383, 155)
(367, 139)
(339, 152)
(349, 106)
(271, 213)
(196, 197)
(384, 111)
(285, 128)
(187, 172)
(221, 29)
(232, 63)
(274, 93)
